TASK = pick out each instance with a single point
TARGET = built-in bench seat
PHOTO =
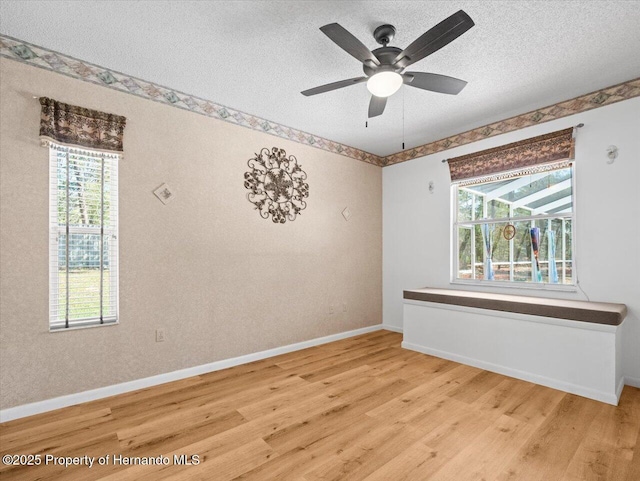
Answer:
(597, 312)
(570, 345)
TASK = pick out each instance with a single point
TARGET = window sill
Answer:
(78, 328)
(511, 285)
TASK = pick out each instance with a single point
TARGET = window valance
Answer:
(74, 126)
(543, 149)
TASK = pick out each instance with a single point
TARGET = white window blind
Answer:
(83, 238)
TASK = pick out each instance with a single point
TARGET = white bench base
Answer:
(577, 357)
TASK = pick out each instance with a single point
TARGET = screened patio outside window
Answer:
(538, 203)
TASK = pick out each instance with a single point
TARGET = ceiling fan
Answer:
(384, 66)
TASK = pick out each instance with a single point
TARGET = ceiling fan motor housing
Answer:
(386, 56)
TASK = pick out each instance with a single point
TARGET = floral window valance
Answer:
(74, 126)
(544, 149)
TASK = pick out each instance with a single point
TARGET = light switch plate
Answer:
(164, 193)
(160, 335)
(346, 213)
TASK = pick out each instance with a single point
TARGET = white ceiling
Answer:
(256, 56)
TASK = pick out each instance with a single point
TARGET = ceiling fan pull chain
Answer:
(403, 119)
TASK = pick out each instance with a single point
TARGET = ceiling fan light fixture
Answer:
(384, 84)
(383, 66)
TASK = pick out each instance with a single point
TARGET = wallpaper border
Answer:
(36, 56)
(592, 100)
(41, 57)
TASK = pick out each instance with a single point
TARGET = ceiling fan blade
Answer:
(434, 82)
(434, 39)
(377, 105)
(350, 44)
(333, 86)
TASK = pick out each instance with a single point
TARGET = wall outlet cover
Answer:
(164, 193)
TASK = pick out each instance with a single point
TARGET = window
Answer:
(84, 149)
(538, 202)
(83, 237)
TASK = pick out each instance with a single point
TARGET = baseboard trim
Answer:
(106, 391)
(605, 397)
(619, 389)
(387, 327)
(630, 381)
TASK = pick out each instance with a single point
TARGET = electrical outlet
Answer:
(160, 337)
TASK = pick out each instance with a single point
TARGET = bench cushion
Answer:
(596, 312)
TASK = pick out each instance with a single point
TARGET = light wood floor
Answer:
(357, 409)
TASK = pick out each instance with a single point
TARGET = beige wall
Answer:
(221, 280)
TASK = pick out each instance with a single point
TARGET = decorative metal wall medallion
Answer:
(277, 185)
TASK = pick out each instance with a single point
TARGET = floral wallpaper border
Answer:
(36, 56)
(30, 54)
(593, 100)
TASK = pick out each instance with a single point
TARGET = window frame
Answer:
(56, 230)
(454, 245)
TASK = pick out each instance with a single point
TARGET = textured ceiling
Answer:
(257, 56)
